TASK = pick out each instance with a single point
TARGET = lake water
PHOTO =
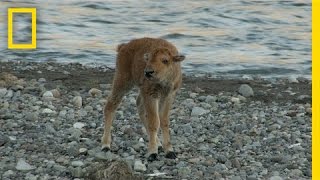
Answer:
(228, 37)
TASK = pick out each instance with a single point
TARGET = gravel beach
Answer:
(222, 128)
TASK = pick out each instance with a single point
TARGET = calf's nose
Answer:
(148, 73)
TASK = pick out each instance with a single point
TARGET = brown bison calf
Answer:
(154, 66)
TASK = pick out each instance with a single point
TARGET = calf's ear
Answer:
(179, 58)
(146, 56)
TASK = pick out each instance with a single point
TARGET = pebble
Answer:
(3, 92)
(187, 128)
(193, 95)
(139, 166)
(42, 80)
(9, 94)
(245, 90)
(293, 79)
(22, 165)
(197, 111)
(276, 178)
(184, 171)
(8, 173)
(79, 125)
(77, 101)
(83, 150)
(47, 94)
(77, 172)
(95, 92)
(55, 93)
(31, 116)
(77, 163)
(47, 111)
(211, 99)
(235, 100)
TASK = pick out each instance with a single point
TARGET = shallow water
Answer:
(268, 38)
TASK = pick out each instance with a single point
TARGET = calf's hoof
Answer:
(153, 157)
(171, 155)
(105, 148)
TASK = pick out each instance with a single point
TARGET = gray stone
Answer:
(47, 94)
(184, 171)
(139, 166)
(47, 111)
(31, 116)
(42, 80)
(30, 176)
(77, 101)
(95, 92)
(293, 79)
(55, 93)
(22, 165)
(77, 163)
(187, 128)
(245, 90)
(9, 94)
(197, 111)
(276, 178)
(3, 92)
(220, 167)
(8, 173)
(104, 155)
(235, 178)
(211, 99)
(77, 172)
(79, 125)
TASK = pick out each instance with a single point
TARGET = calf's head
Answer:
(160, 64)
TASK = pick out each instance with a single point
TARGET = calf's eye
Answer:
(165, 61)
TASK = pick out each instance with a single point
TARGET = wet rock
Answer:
(245, 90)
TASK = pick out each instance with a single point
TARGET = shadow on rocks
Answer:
(112, 170)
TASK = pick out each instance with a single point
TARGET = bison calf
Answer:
(154, 66)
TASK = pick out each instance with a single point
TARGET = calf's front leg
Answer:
(165, 107)
(152, 124)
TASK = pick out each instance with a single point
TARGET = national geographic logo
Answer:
(11, 44)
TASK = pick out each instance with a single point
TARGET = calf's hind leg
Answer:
(119, 88)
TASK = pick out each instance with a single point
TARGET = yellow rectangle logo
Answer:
(33, 12)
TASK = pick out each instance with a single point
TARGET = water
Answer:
(269, 38)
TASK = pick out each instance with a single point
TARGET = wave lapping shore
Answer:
(247, 128)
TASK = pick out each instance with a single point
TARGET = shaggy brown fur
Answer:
(154, 66)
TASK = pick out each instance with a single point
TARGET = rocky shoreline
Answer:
(244, 128)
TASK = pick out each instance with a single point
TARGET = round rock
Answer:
(245, 90)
